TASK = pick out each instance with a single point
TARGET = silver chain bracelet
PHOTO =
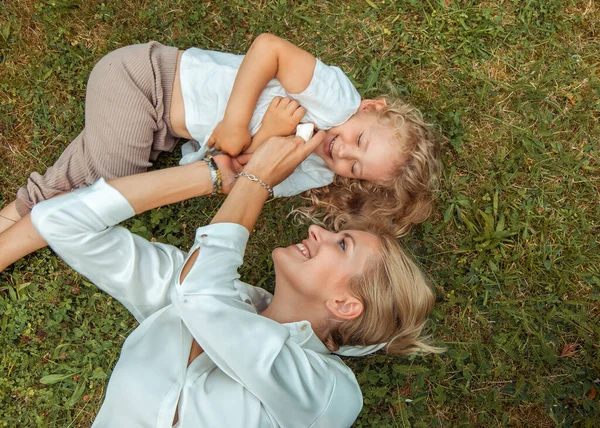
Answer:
(257, 180)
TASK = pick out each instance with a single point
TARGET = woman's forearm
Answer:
(143, 191)
(270, 165)
(243, 205)
(166, 186)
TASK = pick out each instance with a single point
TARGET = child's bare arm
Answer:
(280, 120)
(268, 57)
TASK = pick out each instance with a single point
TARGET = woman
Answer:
(213, 351)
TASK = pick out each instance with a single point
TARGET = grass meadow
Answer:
(513, 248)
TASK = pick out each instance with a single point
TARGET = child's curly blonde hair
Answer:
(404, 200)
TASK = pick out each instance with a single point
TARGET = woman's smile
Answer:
(303, 250)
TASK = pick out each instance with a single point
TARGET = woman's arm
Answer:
(254, 350)
(268, 57)
(144, 191)
(272, 163)
(79, 226)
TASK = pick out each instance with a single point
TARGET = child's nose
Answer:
(346, 151)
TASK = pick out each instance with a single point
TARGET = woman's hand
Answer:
(272, 163)
(277, 158)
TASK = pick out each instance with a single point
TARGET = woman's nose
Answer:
(316, 232)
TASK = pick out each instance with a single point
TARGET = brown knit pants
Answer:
(127, 104)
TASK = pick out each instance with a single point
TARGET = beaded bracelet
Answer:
(257, 180)
(215, 174)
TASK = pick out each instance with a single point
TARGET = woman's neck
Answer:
(292, 310)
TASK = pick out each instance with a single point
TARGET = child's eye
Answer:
(359, 140)
(343, 245)
(353, 169)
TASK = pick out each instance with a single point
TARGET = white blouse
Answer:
(254, 372)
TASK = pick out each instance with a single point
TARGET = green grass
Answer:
(513, 248)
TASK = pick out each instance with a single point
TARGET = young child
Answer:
(141, 98)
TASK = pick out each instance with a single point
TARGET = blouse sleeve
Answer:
(254, 350)
(79, 226)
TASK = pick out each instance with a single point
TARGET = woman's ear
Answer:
(372, 105)
(346, 308)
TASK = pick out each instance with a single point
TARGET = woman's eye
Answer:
(353, 170)
(343, 244)
(359, 139)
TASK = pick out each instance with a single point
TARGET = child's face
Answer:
(362, 147)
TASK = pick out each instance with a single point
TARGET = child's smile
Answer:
(361, 148)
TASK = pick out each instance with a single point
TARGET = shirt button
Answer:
(303, 327)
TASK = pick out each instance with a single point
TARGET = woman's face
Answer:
(322, 264)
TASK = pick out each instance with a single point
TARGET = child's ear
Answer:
(372, 105)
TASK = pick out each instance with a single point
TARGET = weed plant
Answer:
(513, 248)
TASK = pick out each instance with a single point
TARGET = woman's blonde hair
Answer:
(404, 200)
(396, 298)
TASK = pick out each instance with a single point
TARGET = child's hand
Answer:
(230, 138)
(280, 120)
(282, 117)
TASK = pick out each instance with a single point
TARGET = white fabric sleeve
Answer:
(251, 349)
(79, 227)
(330, 99)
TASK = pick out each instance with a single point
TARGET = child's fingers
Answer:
(284, 103)
(299, 114)
(293, 105)
(275, 102)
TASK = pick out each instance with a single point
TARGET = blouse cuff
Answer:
(224, 235)
(222, 247)
(107, 202)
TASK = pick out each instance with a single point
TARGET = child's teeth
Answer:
(331, 147)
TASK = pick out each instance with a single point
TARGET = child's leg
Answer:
(8, 216)
(126, 123)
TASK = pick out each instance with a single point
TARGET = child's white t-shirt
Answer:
(207, 79)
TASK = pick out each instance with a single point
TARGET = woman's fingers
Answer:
(239, 166)
(211, 141)
(243, 159)
(313, 143)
